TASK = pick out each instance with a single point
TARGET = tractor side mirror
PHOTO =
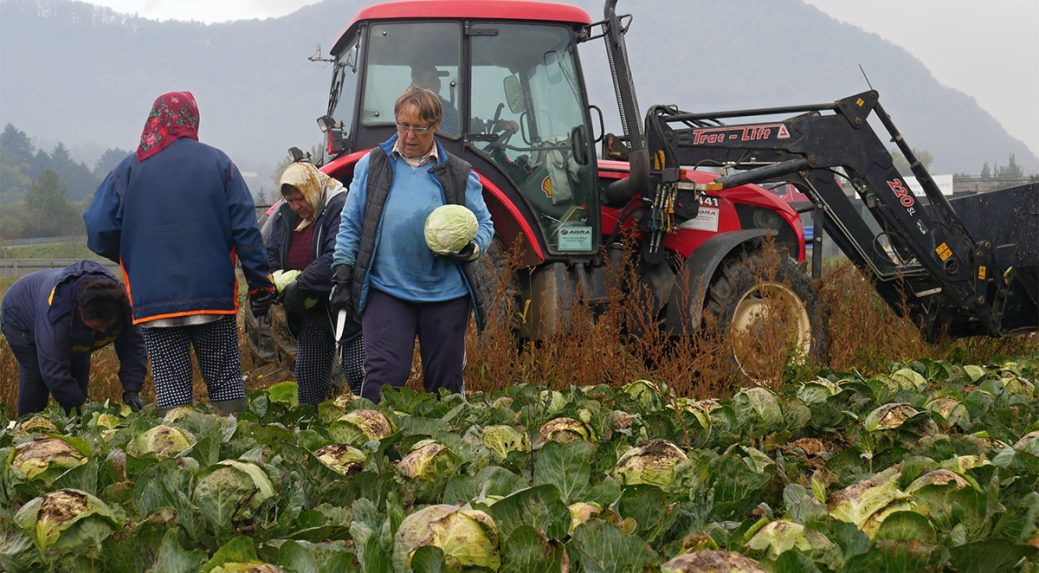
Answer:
(597, 134)
(514, 94)
(579, 144)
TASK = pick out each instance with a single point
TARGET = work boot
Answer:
(228, 407)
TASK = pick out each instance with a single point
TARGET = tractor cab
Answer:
(515, 107)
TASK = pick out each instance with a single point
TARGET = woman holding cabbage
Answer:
(386, 270)
(299, 250)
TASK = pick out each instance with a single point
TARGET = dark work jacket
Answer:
(42, 305)
(453, 174)
(317, 277)
(178, 222)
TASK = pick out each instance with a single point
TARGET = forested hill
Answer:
(86, 76)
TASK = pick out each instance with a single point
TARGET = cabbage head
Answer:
(951, 411)
(449, 228)
(817, 391)
(428, 460)
(868, 502)
(581, 512)
(711, 561)
(68, 520)
(105, 421)
(162, 440)
(468, 537)
(284, 393)
(553, 400)
(360, 426)
(177, 413)
(890, 416)
(232, 491)
(698, 409)
(761, 402)
(45, 459)
(35, 425)
(283, 279)
(905, 379)
(331, 410)
(974, 371)
(652, 462)
(931, 492)
(649, 395)
(565, 430)
(341, 458)
(503, 440)
(781, 535)
(343, 400)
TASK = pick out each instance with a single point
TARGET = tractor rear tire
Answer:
(769, 315)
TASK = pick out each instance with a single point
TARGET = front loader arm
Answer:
(919, 253)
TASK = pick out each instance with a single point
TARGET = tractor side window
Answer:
(528, 117)
(400, 54)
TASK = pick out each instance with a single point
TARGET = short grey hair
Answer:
(427, 103)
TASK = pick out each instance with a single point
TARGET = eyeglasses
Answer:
(413, 129)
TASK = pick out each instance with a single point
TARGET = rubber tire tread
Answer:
(738, 276)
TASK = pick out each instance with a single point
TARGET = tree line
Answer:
(1012, 170)
(1009, 171)
(43, 194)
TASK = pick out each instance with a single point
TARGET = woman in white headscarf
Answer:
(299, 250)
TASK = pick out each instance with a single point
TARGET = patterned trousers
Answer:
(315, 354)
(216, 348)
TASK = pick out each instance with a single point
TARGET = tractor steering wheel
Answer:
(503, 136)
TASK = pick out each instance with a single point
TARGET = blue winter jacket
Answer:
(176, 222)
(42, 306)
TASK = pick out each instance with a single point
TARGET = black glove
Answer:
(468, 253)
(342, 296)
(292, 298)
(133, 400)
(77, 409)
(260, 301)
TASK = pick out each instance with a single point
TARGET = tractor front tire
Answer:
(769, 317)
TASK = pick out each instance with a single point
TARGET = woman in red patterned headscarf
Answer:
(174, 115)
(176, 215)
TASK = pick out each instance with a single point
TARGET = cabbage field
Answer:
(933, 466)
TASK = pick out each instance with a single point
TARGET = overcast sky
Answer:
(988, 50)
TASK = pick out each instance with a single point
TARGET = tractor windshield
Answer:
(527, 115)
(400, 54)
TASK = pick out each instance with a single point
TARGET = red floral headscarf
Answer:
(174, 115)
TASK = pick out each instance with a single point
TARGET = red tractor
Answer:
(698, 233)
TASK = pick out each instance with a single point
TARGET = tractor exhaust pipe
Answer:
(627, 103)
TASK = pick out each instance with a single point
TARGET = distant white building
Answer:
(944, 183)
